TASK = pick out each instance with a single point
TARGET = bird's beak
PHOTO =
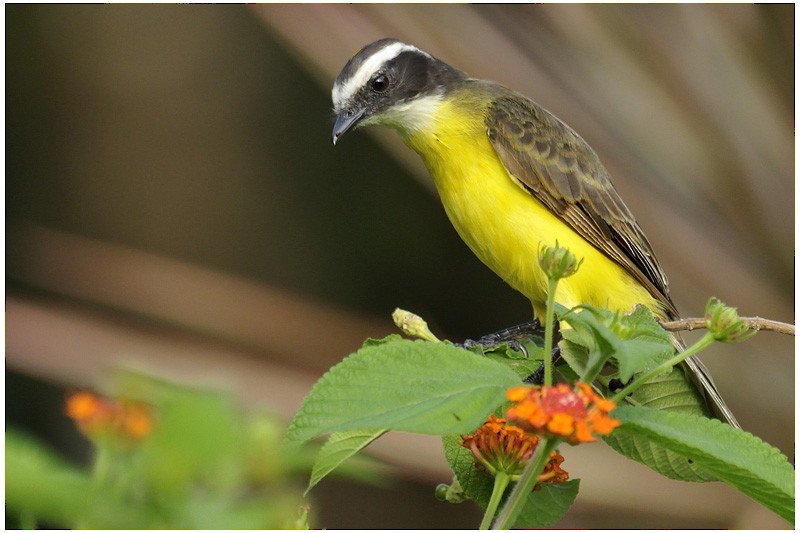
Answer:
(345, 121)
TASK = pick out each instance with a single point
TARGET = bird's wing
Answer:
(563, 172)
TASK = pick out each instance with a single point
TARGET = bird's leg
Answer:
(537, 378)
(512, 336)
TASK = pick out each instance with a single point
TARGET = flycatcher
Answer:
(512, 177)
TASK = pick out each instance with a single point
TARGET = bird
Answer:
(512, 177)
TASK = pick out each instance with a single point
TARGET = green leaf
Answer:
(548, 505)
(672, 392)
(338, 448)
(521, 365)
(199, 439)
(635, 341)
(393, 337)
(575, 354)
(736, 457)
(587, 330)
(475, 484)
(416, 386)
(40, 483)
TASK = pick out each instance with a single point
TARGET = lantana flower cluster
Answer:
(103, 418)
(573, 414)
(500, 447)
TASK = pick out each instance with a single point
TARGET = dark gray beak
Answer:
(345, 121)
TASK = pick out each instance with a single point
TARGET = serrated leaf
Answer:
(669, 392)
(576, 355)
(413, 386)
(736, 457)
(672, 391)
(548, 505)
(475, 484)
(644, 345)
(392, 337)
(337, 449)
(635, 341)
(665, 462)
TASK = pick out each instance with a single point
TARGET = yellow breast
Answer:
(503, 224)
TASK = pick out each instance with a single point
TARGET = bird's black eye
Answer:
(379, 83)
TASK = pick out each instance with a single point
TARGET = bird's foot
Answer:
(537, 378)
(513, 337)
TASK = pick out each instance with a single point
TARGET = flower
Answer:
(99, 417)
(576, 415)
(499, 447)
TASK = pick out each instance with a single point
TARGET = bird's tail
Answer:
(699, 375)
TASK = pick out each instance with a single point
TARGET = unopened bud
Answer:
(413, 325)
(450, 493)
(558, 262)
(724, 324)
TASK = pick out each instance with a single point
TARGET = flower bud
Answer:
(558, 262)
(724, 323)
(413, 325)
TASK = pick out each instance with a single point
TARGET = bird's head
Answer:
(391, 83)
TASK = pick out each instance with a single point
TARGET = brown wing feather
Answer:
(563, 172)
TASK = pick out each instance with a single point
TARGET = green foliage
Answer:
(41, 485)
(437, 388)
(416, 386)
(635, 341)
(337, 449)
(205, 465)
(548, 505)
(738, 458)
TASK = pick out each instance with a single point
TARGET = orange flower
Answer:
(99, 417)
(499, 447)
(561, 424)
(553, 473)
(83, 406)
(561, 411)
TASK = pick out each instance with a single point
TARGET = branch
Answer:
(756, 323)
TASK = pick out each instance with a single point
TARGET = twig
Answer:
(756, 323)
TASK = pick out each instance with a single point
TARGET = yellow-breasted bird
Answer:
(512, 177)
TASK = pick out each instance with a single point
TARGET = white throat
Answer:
(417, 115)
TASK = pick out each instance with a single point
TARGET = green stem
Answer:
(704, 342)
(519, 496)
(552, 283)
(501, 480)
(102, 464)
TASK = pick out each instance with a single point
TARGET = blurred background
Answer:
(174, 204)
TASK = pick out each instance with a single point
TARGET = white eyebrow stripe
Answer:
(343, 92)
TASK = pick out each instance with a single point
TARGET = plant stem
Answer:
(552, 283)
(519, 496)
(102, 464)
(704, 342)
(501, 480)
